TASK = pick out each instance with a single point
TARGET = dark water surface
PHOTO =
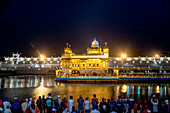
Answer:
(27, 86)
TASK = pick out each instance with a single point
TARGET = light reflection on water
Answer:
(35, 85)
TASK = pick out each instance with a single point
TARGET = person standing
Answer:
(70, 104)
(139, 107)
(94, 101)
(126, 106)
(102, 106)
(119, 106)
(49, 101)
(131, 103)
(29, 103)
(59, 102)
(87, 105)
(80, 104)
(155, 105)
(65, 100)
(15, 106)
(24, 105)
(43, 103)
(112, 104)
(32, 107)
(5, 103)
(38, 102)
(56, 105)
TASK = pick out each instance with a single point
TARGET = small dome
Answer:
(95, 43)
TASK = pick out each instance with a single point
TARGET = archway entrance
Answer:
(75, 72)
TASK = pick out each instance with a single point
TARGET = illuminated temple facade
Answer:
(95, 61)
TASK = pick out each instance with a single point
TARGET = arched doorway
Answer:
(75, 72)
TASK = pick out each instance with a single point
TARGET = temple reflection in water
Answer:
(33, 86)
(26, 81)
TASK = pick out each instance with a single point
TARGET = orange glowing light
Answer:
(124, 55)
(42, 57)
(156, 55)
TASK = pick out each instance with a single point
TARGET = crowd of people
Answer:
(50, 105)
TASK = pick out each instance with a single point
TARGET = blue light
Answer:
(138, 90)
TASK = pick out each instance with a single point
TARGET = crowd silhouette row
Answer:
(50, 105)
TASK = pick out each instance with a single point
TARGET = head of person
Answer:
(108, 100)
(118, 100)
(64, 96)
(167, 102)
(102, 99)
(58, 96)
(26, 100)
(39, 97)
(122, 96)
(49, 94)
(23, 100)
(119, 96)
(80, 96)
(112, 98)
(146, 106)
(155, 100)
(87, 98)
(71, 97)
(33, 101)
(63, 100)
(94, 95)
(6, 99)
(15, 99)
(43, 96)
(30, 99)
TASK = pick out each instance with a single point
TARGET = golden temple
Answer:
(95, 61)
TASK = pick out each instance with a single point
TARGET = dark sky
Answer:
(138, 27)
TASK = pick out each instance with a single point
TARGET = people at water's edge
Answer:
(121, 105)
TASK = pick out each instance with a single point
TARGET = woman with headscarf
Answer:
(32, 107)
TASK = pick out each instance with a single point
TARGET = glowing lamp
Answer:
(157, 55)
(124, 56)
(124, 88)
(157, 89)
(42, 57)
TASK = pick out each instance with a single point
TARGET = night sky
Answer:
(137, 27)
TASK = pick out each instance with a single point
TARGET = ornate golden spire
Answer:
(95, 39)
(105, 44)
(67, 45)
